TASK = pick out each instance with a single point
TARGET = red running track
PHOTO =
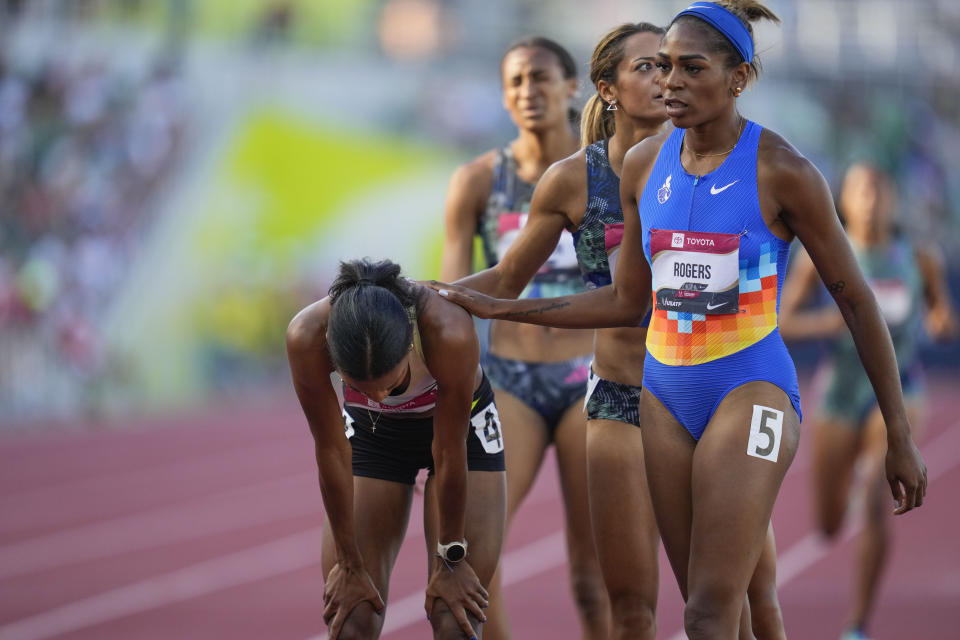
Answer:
(207, 526)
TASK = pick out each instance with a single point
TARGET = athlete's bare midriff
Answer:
(532, 343)
(619, 353)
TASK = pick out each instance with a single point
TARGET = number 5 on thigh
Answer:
(766, 431)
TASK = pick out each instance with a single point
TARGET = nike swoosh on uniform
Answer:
(711, 307)
(714, 191)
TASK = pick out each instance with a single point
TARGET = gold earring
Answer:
(738, 91)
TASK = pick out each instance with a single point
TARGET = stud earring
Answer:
(612, 106)
(737, 91)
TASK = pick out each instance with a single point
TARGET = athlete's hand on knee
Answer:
(345, 588)
(479, 304)
(907, 475)
(457, 585)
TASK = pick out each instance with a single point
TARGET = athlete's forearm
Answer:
(493, 282)
(451, 484)
(598, 308)
(336, 486)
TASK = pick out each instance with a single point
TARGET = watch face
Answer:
(456, 552)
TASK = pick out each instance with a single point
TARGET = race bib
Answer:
(563, 258)
(508, 228)
(894, 299)
(486, 427)
(696, 272)
(612, 237)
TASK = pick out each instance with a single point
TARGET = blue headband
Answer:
(726, 23)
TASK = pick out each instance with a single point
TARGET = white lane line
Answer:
(213, 514)
(525, 562)
(287, 554)
(940, 455)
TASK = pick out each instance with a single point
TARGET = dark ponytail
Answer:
(369, 331)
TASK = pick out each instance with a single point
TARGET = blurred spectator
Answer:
(82, 149)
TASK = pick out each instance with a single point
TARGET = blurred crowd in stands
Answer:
(85, 148)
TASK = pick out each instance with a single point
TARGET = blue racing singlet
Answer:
(717, 275)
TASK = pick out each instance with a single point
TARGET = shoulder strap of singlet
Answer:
(417, 344)
(670, 151)
(504, 171)
(596, 156)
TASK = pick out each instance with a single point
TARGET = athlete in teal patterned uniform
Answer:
(895, 278)
(908, 285)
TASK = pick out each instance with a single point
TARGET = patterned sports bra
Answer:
(504, 216)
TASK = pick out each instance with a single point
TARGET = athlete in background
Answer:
(539, 373)
(849, 430)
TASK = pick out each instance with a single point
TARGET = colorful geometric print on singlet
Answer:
(504, 216)
(705, 238)
(597, 239)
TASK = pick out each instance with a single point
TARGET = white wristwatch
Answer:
(452, 551)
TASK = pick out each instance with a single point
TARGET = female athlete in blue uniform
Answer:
(582, 193)
(719, 200)
(908, 282)
(539, 374)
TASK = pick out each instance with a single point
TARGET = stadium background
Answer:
(178, 177)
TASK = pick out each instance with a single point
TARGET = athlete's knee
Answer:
(711, 615)
(446, 627)
(363, 623)
(702, 621)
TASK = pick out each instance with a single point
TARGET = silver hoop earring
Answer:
(612, 106)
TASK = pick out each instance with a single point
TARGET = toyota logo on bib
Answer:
(677, 240)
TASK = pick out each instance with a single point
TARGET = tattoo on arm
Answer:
(836, 287)
(530, 312)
